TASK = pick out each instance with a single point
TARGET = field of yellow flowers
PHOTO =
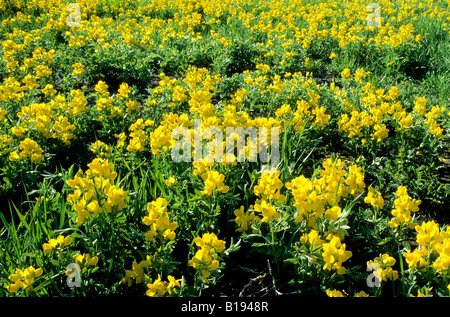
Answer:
(351, 99)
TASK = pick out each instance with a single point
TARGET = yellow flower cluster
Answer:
(77, 104)
(139, 139)
(100, 149)
(23, 279)
(202, 167)
(267, 210)
(432, 120)
(4, 143)
(207, 258)
(78, 69)
(102, 89)
(334, 293)
(136, 274)
(124, 91)
(115, 106)
(382, 267)
(404, 205)
(312, 238)
(159, 221)
(245, 220)
(95, 193)
(171, 181)
(337, 293)
(159, 288)
(378, 107)
(84, 259)
(334, 254)
(268, 190)
(56, 244)
(269, 185)
(47, 120)
(312, 196)
(434, 246)
(314, 243)
(374, 198)
(28, 149)
(213, 181)
(161, 137)
(201, 87)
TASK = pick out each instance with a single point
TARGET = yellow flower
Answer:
(172, 283)
(362, 294)
(334, 293)
(374, 198)
(321, 117)
(136, 274)
(285, 109)
(418, 258)
(244, 219)
(115, 199)
(334, 254)
(132, 106)
(381, 132)
(404, 205)
(85, 259)
(102, 88)
(171, 181)
(383, 267)
(420, 106)
(313, 238)
(48, 90)
(121, 139)
(307, 62)
(23, 278)
(159, 221)
(54, 244)
(267, 210)
(346, 74)
(42, 71)
(159, 288)
(101, 168)
(393, 93)
(333, 213)
(269, 185)
(100, 148)
(332, 56)
(78, 69)
(206, 259)
(428, 234)
(359, 74)
(95, 193)
(156, 289)
(29, 149)
(214, 181)
(124, 90)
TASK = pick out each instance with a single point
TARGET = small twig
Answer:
(273, 279)
(241, 293)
